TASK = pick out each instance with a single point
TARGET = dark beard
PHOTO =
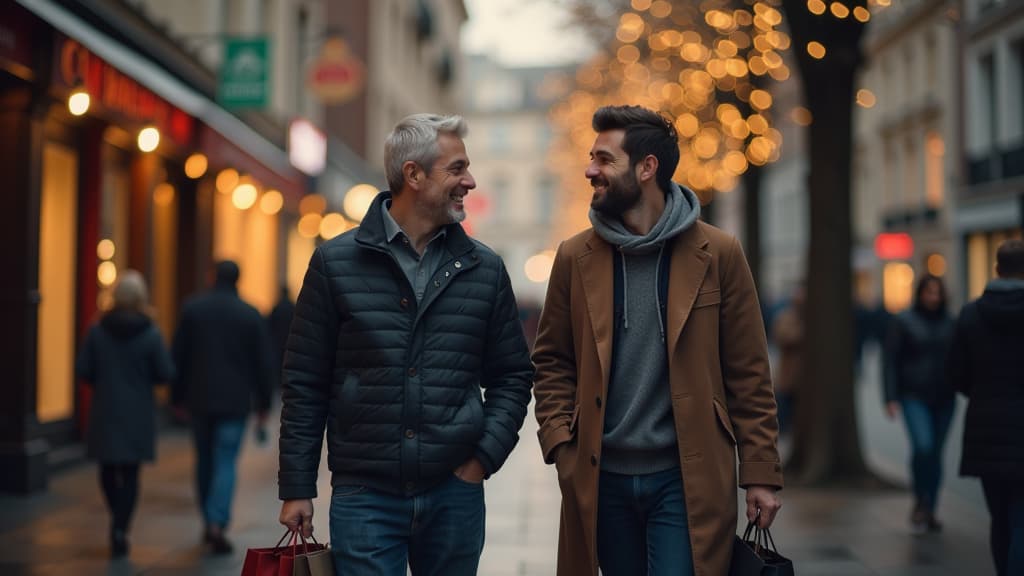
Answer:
(620, 195)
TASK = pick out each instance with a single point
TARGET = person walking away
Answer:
(222, 351)
(984, 365)
(122, 358)
(915, 383)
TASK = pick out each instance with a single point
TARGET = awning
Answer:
(166, 85)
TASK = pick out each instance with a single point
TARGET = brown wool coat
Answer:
(722, 399)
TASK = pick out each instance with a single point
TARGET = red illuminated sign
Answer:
(118, 94)
(894, 246)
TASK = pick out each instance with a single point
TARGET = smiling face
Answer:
(446, 183)
(616, 189)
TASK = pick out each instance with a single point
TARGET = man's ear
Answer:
(412, 174)
(647, 169)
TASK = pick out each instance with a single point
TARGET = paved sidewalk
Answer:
(64, 531)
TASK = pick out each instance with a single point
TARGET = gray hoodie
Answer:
(639, 433)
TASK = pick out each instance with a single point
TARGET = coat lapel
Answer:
(596, 269)
(690, 263)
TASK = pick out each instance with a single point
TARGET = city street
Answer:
(64, 531)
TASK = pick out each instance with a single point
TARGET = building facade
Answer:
(905, 150)
(991, 197)
(513, 207)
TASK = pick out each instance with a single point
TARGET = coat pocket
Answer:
(723, 419)
(346, 409)
(708, 298)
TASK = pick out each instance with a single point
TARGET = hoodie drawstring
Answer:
(657, 293)
(625, 293)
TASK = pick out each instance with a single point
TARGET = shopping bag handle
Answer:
(762, 536)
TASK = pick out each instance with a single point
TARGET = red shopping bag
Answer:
(279, 560)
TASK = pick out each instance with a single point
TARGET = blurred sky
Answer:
(522, 33)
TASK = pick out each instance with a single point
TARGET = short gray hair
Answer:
(415, 139)
(130, 292)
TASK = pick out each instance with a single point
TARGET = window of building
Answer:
(981, 258)
(897, 286)
(545, 198)
(911, 165)
(931, 62)
(499, 137)
(58, 217)
(934, 169)
(989, 100)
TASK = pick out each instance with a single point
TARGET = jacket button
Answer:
(404, 302)
(593, 460)
(410, 434)
(412, 371)
(598, 400)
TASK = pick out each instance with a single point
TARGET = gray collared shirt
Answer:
(418, 269)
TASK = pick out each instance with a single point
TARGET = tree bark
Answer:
(827, 446)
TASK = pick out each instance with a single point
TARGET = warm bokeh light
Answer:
(861, 14)
(816, 7)
(163, 195)
(309, 225)
(196, 165)
(357, 201)
(312, 204)
(936, 265)
(227, 180)
(816, 50)
(866, 98)
(538, 266)
(149, 139)
(106, 273)
(78, 102)
(105, 249)
(801, 116)
(332, 224)
(839, 10)
(271, 202)
(244, 196)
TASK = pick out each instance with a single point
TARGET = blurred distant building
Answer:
(513, 207)
(991, 199)
(905, 149)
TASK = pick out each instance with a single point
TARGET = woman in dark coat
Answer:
(122, 358)
(915, 382)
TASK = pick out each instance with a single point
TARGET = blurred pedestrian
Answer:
(915, 382)
(398, 326)
(788, 337)
(643, 429)
(279, 322)
(122, 358)
(222, 351)
(985, 366)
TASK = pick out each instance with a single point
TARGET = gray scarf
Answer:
(682, 208)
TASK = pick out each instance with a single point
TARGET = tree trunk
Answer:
(826, 441)
(752, 221)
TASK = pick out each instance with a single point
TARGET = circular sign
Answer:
(337, 75)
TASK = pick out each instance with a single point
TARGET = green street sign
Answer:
(245, 73)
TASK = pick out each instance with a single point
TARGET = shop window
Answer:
(57, 258)
(897, 286)
(934, 172)
(981, 258)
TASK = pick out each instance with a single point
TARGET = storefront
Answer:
(110, 165)
(983, 225)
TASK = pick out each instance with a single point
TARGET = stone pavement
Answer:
(64, 531)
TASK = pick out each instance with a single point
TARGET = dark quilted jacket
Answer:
(398, 383)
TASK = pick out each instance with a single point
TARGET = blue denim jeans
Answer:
(1006, 508)
(641, 525)
(927, 426)
(218, 441)
(439, 532)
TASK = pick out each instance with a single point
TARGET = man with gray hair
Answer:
(398, 327)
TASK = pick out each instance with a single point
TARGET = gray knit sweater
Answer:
(639, 432)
